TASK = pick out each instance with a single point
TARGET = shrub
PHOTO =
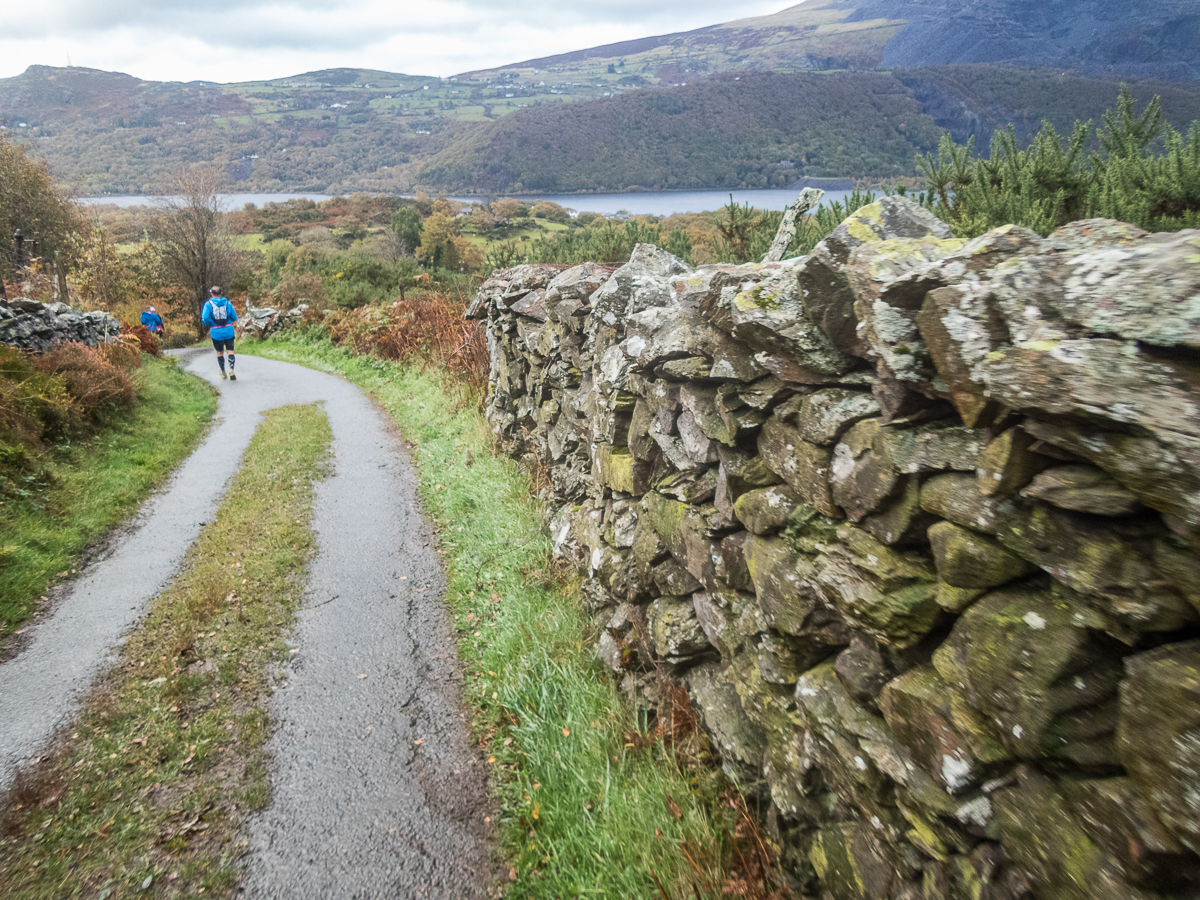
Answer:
(139, 338)
(296, 288)
(551, 212)
(603, 241)
(33, 405)
(126, 352)
(429, 328)
(1148, 175)
(181, 336)
(353, 294)
(96, 385)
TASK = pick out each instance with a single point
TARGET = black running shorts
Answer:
(226, 344)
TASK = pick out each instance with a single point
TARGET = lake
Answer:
(664, 203)
(650, 203)
(228, 201)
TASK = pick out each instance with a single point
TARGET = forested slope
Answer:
(975, 101)
(759, 130)
(1157, 39)
(755, 130)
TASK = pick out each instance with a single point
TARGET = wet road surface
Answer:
(378, 791)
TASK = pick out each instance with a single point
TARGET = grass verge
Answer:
(148, 789)
(592, 804)
(94, 486)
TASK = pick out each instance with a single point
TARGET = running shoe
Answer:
(232, 377)
(222, 374)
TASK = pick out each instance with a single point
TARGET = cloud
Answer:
(241, 40)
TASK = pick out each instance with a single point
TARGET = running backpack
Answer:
(220, 312)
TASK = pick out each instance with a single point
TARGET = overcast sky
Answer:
(245, 40)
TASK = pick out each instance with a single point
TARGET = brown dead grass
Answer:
(146, 342)
(93, 380)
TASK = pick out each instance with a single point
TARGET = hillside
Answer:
(809, 36)
(1157, 39)
(334, 129)
(975, 101)
(760, 130)
(967, 66)
(755, 130)
(1148, 39)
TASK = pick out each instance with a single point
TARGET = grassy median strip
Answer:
(148, 788)
(591, 803)
(96, 485)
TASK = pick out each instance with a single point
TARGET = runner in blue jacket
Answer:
(218, 316)
(152, 320)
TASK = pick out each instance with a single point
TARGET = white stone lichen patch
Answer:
(843, 463)
(975, 812)
(956, 772)
(1033, 620)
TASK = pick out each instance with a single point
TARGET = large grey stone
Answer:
(888, 596)
(1159, 734)
(826, 415)
(739, 741)
(611, 301)
(1084, 489)
(805, 466)
(1118, 818)
(825, 288)
(675, 633)
(862, 479)
(944, 734)
(766, 510)
(1048, 842)
(1044, 679)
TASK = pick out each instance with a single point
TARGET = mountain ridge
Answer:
(345, 128)
(1157, 39)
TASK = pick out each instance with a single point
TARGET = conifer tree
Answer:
(1144, 173)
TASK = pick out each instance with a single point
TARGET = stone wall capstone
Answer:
(915, 519)
(32, 325)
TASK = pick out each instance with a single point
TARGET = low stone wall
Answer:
(32, 325)
(263, 321)
(917, 522)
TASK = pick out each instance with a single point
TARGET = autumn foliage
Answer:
(60, 395)
(140, 337)
(96, 378)
(429, 328)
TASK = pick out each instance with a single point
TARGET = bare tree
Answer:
(387, 247)
(192, 235)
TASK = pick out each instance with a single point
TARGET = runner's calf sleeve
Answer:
(230, 355)
(221, 362)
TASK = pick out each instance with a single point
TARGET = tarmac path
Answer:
(378, 791)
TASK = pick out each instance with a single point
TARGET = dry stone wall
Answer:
(917, 522)
(32, 325)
